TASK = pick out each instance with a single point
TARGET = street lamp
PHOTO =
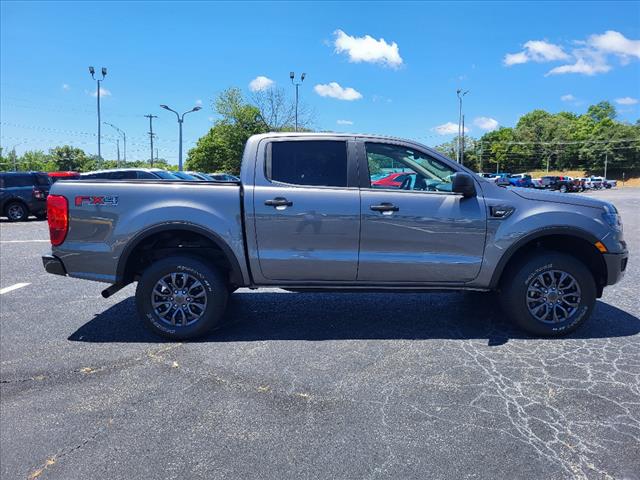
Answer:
(124, 141)
(180, 120)
(460, 95)
(92, 71)
(292, 76)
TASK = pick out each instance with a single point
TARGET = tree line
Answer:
(67, 158)
(558, 142)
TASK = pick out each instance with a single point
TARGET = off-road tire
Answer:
(515, 290)
(213, 284)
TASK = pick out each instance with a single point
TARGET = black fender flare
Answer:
(540, 233)
(235, 274)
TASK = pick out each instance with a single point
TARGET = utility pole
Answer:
(157, 158)
(460, 95)
(462, 149)
(292, 76)
(606, 158)
(151, 117)
(180, 121)
(118, 150)
(92, 71)
(124, 139)
(480, 156)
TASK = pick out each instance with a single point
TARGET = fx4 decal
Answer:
(106, 200)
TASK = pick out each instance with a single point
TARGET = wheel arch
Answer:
(124, 275)
(573, 241)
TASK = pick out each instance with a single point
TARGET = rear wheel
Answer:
(16, 212)
(563, 188)
(549, 294)
(181, 297)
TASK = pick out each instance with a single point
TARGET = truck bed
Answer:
(106, 216)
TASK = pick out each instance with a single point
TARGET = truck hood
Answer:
(557, 197)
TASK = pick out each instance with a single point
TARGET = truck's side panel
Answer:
(99, 234)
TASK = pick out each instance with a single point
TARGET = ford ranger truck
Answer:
(306, 216)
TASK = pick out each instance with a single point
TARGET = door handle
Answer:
(384, 207)
(278, 202)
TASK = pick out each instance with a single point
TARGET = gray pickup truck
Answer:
(319, 212)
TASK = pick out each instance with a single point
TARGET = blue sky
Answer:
(403, 62)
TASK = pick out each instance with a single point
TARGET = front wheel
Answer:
(549, 294)
(563, 189)
(181, 297)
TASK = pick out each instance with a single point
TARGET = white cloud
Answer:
(626, 101)
(616, 43)
(536, 51)
(589, 57)
(380, 98)
(485, 123)
(66, 87)
(199, 102)
(588, 62)
(344, 122)
(103, 93)
(334, 90)
(448, 128)
(260, 83)
(367, 49)
(568, 98)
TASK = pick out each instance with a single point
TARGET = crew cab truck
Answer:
(305, 216)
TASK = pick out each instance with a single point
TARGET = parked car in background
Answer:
(186, 176)
(70, 175)
(130, 174)
(223, 177)
(23, 194)
(536, 183)
(521, 180)
(559, 183)
(603, 182)
(200, 176)
(502, 179)
(596, 182)
(392, 180)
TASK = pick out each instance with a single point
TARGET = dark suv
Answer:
(23, 194)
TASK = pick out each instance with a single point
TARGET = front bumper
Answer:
(616, 265)
(53, 264)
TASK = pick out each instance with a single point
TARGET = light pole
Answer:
(15, 157)
(92, 71)
(124, 141)
(180, 120)
(460, 95)
(292, 76)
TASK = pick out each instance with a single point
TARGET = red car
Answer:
(55, 176)
(392, 180)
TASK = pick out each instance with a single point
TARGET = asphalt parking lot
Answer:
(312, 385)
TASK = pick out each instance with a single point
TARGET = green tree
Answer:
(68, 158)
(222, 147)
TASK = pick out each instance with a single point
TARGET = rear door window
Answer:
(24, 180)
(309, 162)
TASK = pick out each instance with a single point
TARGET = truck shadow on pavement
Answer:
(346, 316)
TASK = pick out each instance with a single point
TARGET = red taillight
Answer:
(58, 218)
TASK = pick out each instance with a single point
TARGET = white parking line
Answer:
(12, 288)
(24, 241)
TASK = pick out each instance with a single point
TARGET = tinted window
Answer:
(122, 175)
(18, 181)
(165, 175)
(146, 175)
(320, 163)
(43, 179)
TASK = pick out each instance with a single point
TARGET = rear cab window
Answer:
(308, 163)
(19, 180)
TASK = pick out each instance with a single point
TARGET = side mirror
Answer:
(464, 184)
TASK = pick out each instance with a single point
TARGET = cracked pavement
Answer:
(313, 385)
